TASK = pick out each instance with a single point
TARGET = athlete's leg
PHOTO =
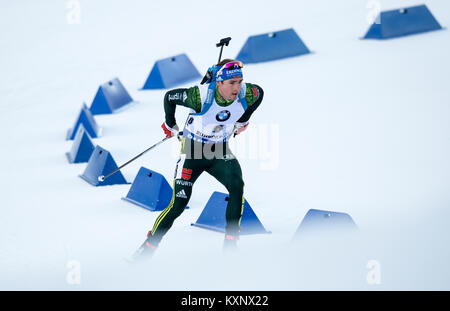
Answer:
(187, 172)
(228, 172)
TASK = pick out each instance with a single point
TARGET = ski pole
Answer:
(102, 178)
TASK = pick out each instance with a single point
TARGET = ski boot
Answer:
(145, 251)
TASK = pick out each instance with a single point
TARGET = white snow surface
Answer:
(359, 126)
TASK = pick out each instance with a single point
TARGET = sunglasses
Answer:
(234, 65)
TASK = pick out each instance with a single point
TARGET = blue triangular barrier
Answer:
(110, 97)
(402, 22)
(213, 216)
(150, 190)
(170, 72)
(272, 46)
(82, 147)
(325, 222)
(102, 163)
(86, 118)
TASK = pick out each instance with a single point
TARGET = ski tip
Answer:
(133, 259)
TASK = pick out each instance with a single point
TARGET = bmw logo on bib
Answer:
(223, 115)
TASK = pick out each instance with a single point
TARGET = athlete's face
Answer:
(229, 89)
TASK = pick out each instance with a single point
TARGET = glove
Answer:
(239, 127)
(170, 131)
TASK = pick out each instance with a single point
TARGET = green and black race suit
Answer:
(197, 157)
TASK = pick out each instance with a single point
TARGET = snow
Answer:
(358, 126)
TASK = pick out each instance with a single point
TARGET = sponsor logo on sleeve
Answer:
(255, 92)
(176, 96)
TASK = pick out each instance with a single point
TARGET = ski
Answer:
(142, 252)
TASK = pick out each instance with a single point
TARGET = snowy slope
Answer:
(359, 127)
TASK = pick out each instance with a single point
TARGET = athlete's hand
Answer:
(239, 127)
(170, 131)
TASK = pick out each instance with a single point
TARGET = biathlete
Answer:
(219, 109)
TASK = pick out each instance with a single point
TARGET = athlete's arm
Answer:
(184, 97)
(254, 96)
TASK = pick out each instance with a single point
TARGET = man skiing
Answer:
(219, 110)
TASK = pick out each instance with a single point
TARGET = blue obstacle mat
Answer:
(150, 190)
(86, 118)
(213, 216)
(82, 147)
(111, 97)
(272, 46)
(402, 22)
(102, 163)
(325, 222)
(170, 72)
